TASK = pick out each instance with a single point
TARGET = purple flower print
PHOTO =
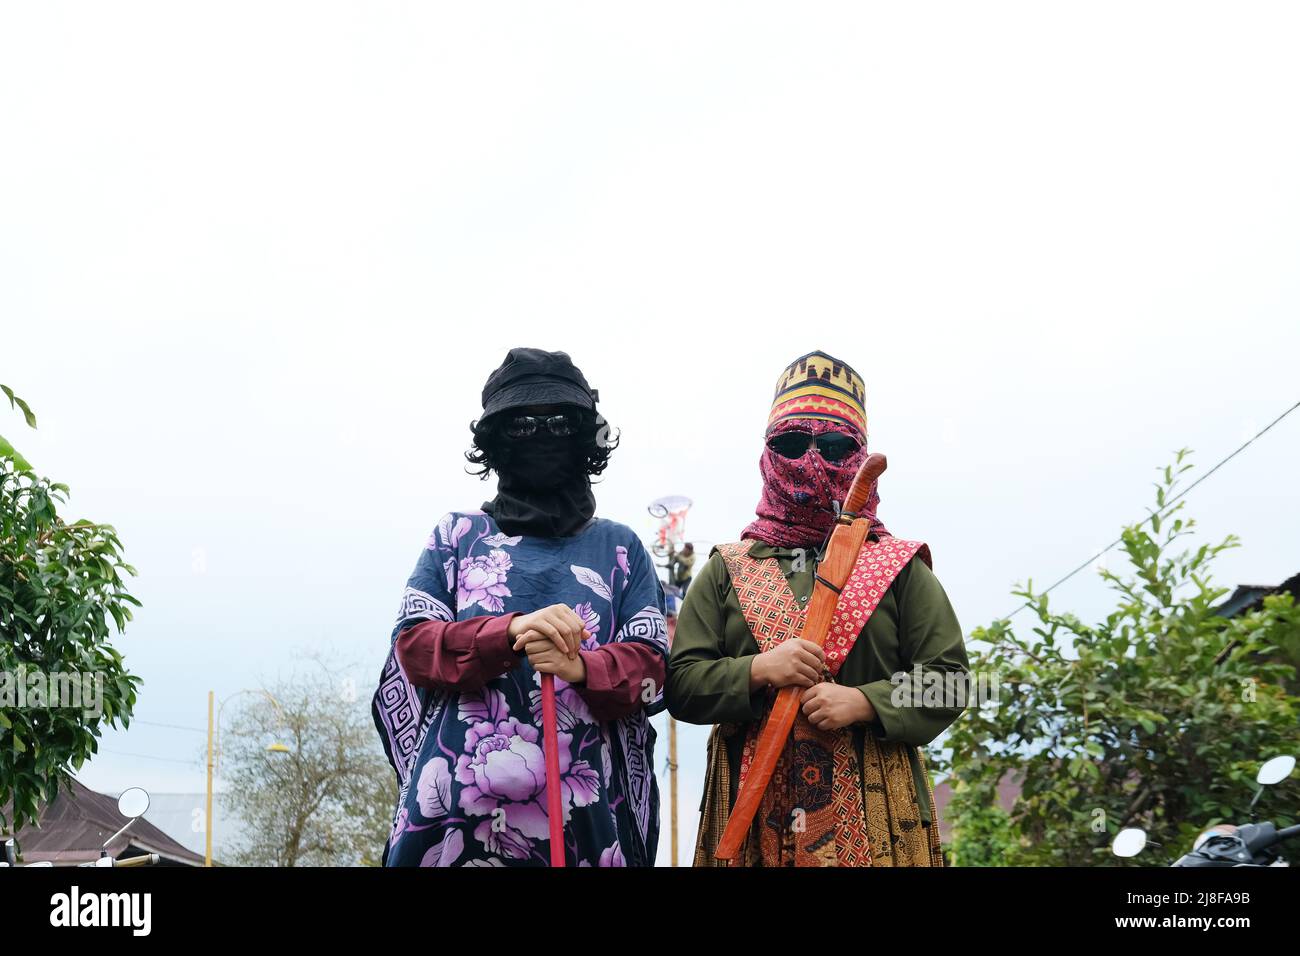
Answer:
(621, 553)
(589, 578)
(433, 789)
(484, 705)
(446, 851)
(502, 839)
(571, 709)
(451, 529)
(591, 621)
(502, 763)
(610, 856)
(504, 769)
(504, 776)
(581, 785)
(462, 528)
(483, 581)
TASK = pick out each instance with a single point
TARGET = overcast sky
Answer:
(256, 260)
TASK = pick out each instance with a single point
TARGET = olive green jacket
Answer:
(913, 627)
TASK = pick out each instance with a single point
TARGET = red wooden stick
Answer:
(551, 750)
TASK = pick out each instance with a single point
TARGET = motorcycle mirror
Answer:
(1275, 770)
(133, 802)
(1129, 842)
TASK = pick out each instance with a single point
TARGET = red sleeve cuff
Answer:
(457, 655)
(494, 645)
(617, 676)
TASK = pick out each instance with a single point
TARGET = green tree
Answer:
(61, 594)
(1157, 716)
(7, 450)
(326, 801)
(985, 836)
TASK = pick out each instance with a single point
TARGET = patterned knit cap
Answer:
(819, 386)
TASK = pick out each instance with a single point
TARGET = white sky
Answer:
(257, 259)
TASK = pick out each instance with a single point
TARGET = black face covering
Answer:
(542, 489)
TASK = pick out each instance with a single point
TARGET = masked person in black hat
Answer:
(532, 583)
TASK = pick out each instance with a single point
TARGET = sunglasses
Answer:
(526, 426)
(832, 446)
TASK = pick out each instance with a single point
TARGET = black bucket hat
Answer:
(534, 377)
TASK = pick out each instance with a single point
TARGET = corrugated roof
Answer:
(74, 827)
(1249, 597)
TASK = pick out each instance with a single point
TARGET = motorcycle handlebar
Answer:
(145, 859)
(1288, 833)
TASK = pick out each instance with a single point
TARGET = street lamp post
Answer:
(214, 734)
(207, 813)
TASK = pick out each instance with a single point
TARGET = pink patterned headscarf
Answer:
(795, 509)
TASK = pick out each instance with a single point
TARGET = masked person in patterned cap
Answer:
(851, 787)
(531, 583)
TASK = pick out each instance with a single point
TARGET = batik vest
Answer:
(825, 806)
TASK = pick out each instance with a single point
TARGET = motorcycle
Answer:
(1226, 844)
(131, 803)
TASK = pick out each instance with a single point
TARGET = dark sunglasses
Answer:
(832, 446)
(526, 426)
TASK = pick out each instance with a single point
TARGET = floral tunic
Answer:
(469, 764)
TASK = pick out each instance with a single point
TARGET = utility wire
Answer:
(120, 753)
(1169, 504)
(154, 723)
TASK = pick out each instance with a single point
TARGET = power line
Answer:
(1172, 501)
(154, 723)
(120, 753)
